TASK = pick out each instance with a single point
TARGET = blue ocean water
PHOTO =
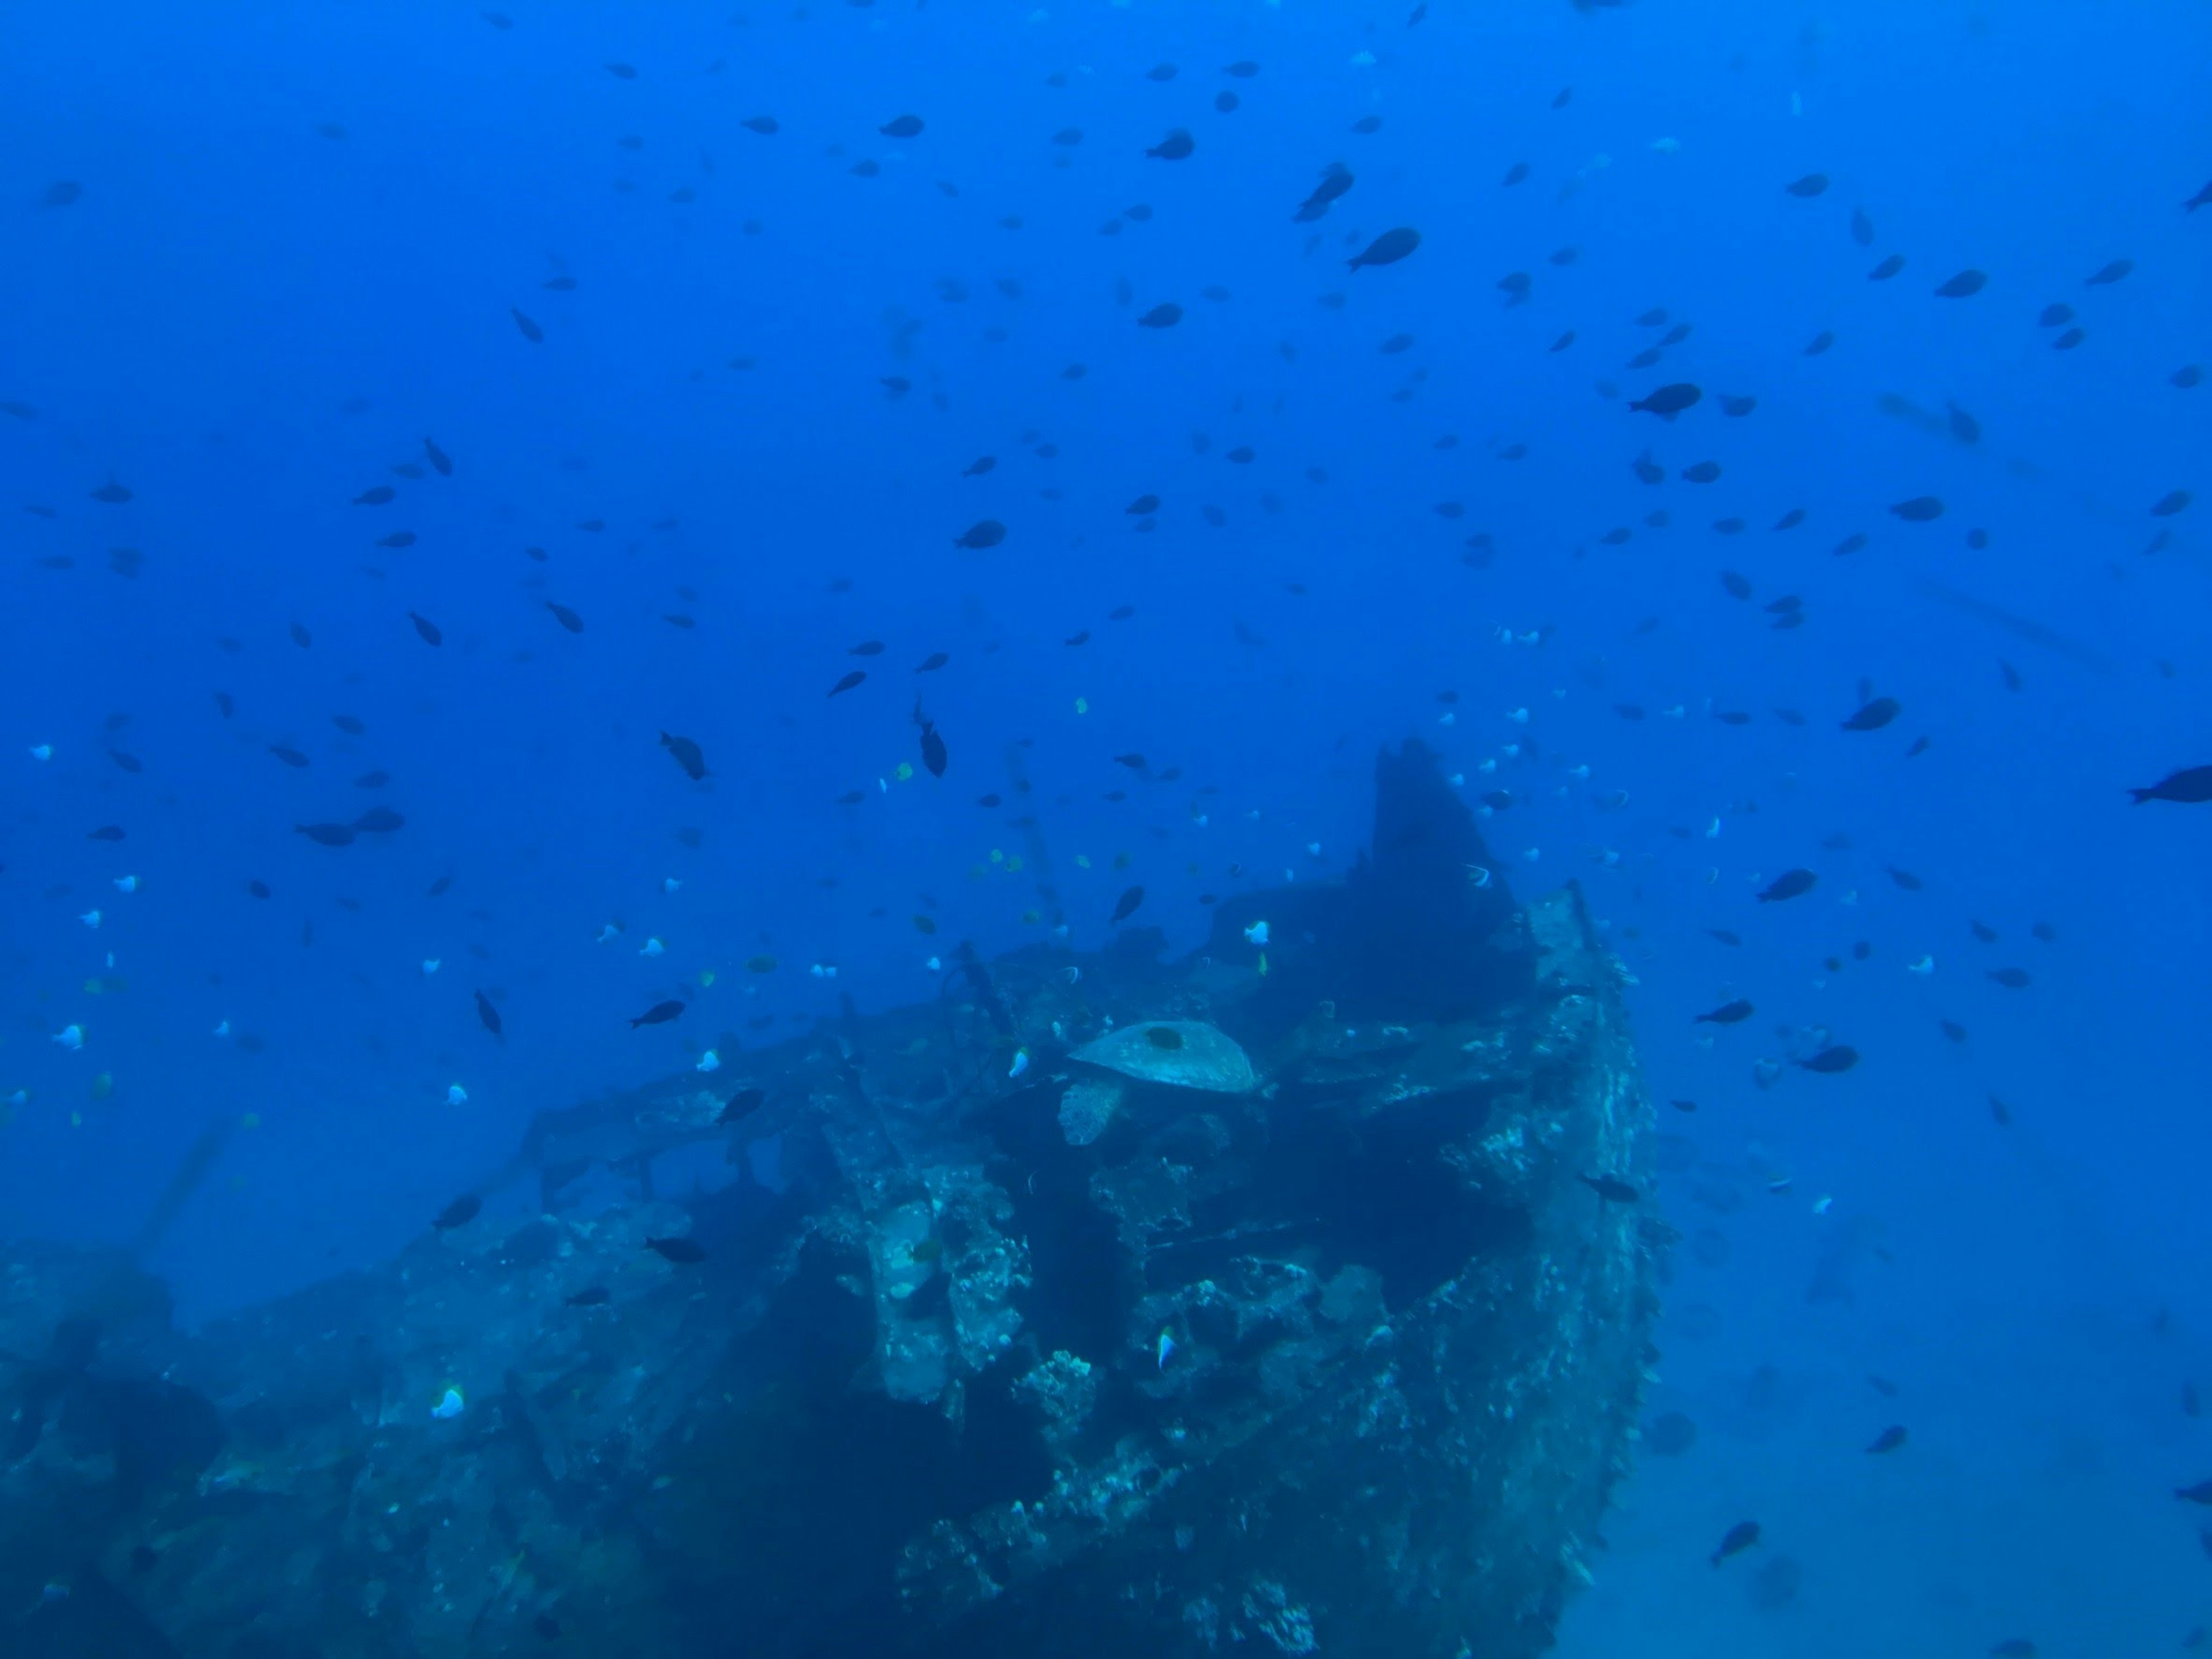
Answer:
(721, 395)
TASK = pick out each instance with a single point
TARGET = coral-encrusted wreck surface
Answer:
(1263, 1307)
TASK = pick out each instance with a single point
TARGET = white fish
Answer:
(1165, 1347)
(1021, 1063)
(44, 751)
(90, 918)
(222, 1028)
(431, 964)
(1256, 934)
(451, 1404)
(71, 1037)
(652, 947)
(456, 1095)
(709, 1062)
(127, 883)
(671, 884)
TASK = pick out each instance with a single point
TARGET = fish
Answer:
(372, 780)
(1964, 286)
(1805, 189)
(458, 1213)
(568, 618)
(1126, 905)
(660, 1014)
(902, 126)
(378, 821)
(684, 1251)
(1335, 181)
(2199, 1493)
(1874, 716)
(426, 629)
(490, 1016)
(112, 493)
(1177, 146)
(1610, 1188)
(2012, 979)
(326, 835)
(687, 755)
(1829, 1062)
(933, 746)
(2105, 275)
(1919, 509)
(1668, 401)
(983, 533)
(866, 648)
(1904, 878)
(441, 463)
(1702, 472)
(1887, 1441)
(1386, 249)
(375, 496)
(1738, 1538)
(2014, 1647)
(2173, 502)
(847, 682)
(1729, 1013)
(106, 832)
(290, 757)
(594, 1296)
(530, 329)
(742, 1104)
(2192, 785)
(1887, 269)
(1166, 314)
(1790, 884)
(1724, 936)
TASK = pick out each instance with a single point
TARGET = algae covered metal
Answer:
(1303, 1331)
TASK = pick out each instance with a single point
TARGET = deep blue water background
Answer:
(248, 319)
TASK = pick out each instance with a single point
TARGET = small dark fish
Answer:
(1790, 884)
(660, 1014)
(351, 725)
(1386, 249)
(1887, 269)
(1668, 401)
(849, 681)
(1736, 406)
(1952, 1029)
(2191, 786)
(1983, 931)
(2015, 1647)
(1729, 1013)
(1702, 472)
(1738, 1538)
(763, 124)
(1725, 936)
(2057, 314)
(378, 821)
(1166, 314)
(2173, 502)
(1790, 520)
(1610, 1188)
(1175, 147)
(62, 193)
(326, 835)
(2012, 979)
(458, 1213)
(1887, 1441)
(490, 1016)
(1904, 878)
(568, 618)
(597, 1296)
(531, 331)
(989, 803)
(1132, 760)
(621, 71)
(1126, 905)
(441, 463)
(984, 532)
(290, 756)
(866, 648)
(398, 538)
(1839, 1057)
(106, 832)
(742, 1104)
(426, 629)
(1964, 286)
(932, 662)
(683, 1251)
(2105, 275)
(933, 746)
(372, 780)
(376, 496)
(1812, 185)
(2199, 1493)
(112, 493)
(902, 126)
(687, 755)
(1873, 716)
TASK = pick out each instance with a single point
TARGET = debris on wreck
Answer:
(1300, 1331)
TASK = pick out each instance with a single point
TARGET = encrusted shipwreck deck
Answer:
(1050, 1330)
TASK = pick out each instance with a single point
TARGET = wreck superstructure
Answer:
(1261, 1301)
